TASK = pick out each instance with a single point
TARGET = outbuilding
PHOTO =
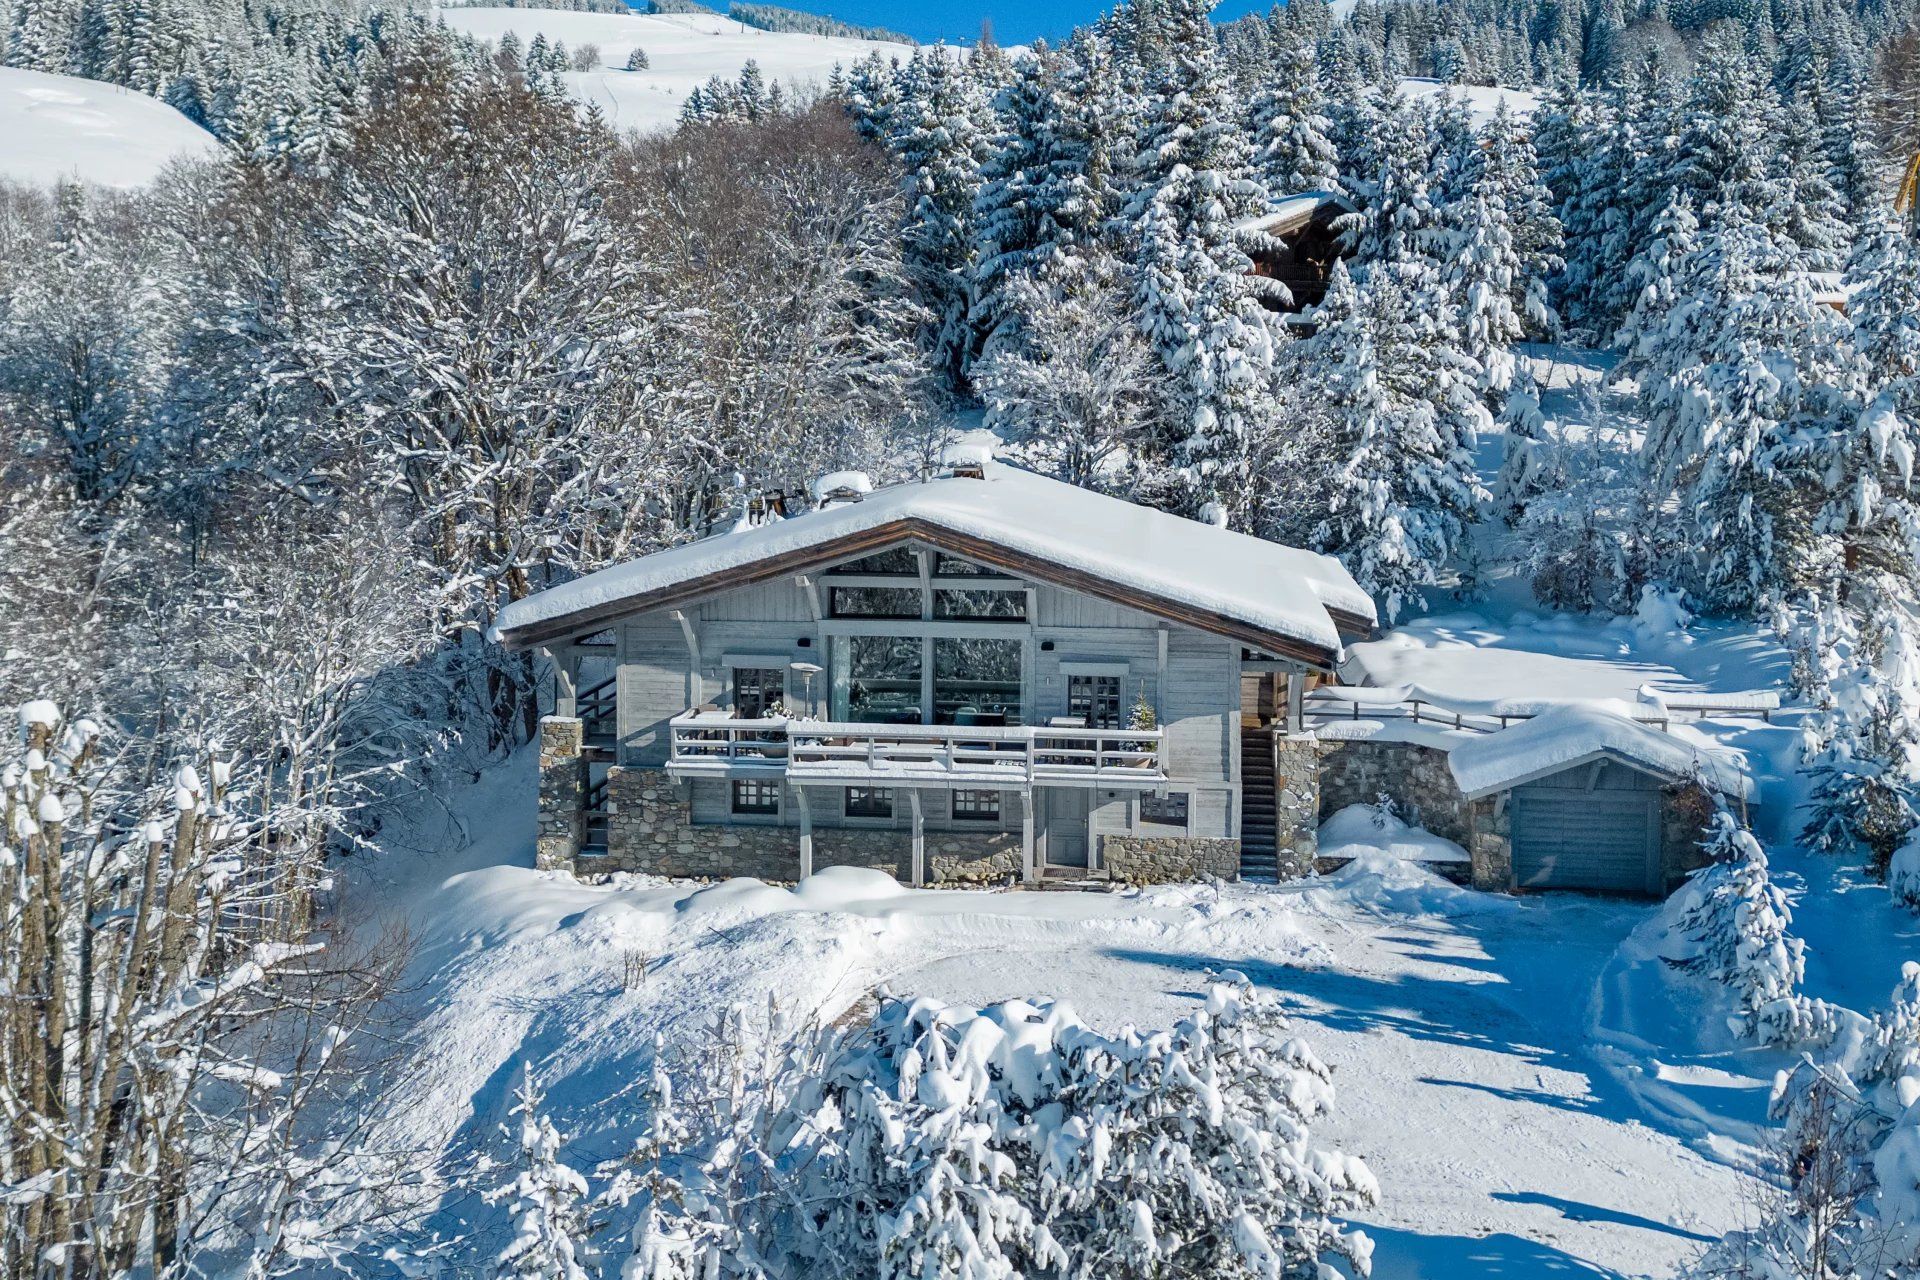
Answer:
(1583, 798)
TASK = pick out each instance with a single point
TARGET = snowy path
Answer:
(1457, 1024)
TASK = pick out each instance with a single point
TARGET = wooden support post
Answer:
(696, 688)
(806, 831)
(1160, 680)
(919, 838)
(1028, 870)
(566, 680)
(1296, 701)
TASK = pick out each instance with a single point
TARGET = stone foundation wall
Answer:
(1170, 859)
(1416, 777)
(650, 829)
(563, 786)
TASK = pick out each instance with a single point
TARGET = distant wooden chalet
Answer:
(1296, 244)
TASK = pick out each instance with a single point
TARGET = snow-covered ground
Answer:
(684, 51)
(54, 128)
(1538, 1092)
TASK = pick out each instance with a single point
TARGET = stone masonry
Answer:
(1296, 806)
(563, 784)
(1169, 859)
(650, 828)
(1417, 778)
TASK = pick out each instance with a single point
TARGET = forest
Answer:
(281, 434)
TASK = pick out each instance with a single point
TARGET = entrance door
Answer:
(1066, 810)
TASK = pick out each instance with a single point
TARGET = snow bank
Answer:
(684, 51)
(1279, 589)
(59, 128)
(1567, 736)
(1365, 830)
(1380, 883)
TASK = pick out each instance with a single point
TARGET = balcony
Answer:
(714, 744)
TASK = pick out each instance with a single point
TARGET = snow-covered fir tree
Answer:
(1292, 150)
(1732, 923)
(1403, 406)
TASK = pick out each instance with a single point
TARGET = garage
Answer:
(1587, 799)
(1602, 832)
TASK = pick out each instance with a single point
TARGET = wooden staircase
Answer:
(1258, 817)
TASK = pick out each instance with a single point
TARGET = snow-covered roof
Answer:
(1269, 596)
(1290, 213)
(1569, 736)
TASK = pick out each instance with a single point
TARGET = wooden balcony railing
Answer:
(830, 751)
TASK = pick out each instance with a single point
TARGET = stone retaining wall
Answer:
(1170, 859)
(1416, 777)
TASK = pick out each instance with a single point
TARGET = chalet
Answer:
(1296, 244)
(989, 676)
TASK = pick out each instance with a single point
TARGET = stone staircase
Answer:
(1258, 818)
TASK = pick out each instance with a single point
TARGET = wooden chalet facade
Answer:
(984, 676)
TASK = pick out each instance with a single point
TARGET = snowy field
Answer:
(685, 50)
(54, 128)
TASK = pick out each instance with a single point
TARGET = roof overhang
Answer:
(915, 529)
(1569, 766)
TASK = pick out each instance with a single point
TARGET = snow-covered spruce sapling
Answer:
(637, 60)
(1732, 922)
(545, 1201)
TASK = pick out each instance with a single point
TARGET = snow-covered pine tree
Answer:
(546, 1200)
(1803, 208)
(1196, 299)
(1732, 924)
(1866, 780)
(637, 60)
(1015, 1139)
(1292, 150)
(1398, 219)
(939, 135)
(1402, 405)
(1725, 142)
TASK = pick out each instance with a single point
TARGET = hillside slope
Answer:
(685, 50)
(58, 127)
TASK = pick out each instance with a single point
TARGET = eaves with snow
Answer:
(1567, 737)
(1271, 598)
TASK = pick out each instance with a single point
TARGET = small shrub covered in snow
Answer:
(1012, 1140)
(1733, 922)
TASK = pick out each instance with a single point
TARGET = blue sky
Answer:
(958, 21)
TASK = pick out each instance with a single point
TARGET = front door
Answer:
(1066, 811)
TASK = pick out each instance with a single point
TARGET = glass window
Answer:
(875, 602)
(1168, 810)
(1095, 699)
(976, 682)
(988, 606)
(892, 560)
(877, 679)
(976, 806)
(756, 796)
(869, 802)
(758, 692)
(952, 567)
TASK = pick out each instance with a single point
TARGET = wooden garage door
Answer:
(1566, 838)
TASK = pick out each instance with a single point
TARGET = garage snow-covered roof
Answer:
(1266, 595)
(1568, 736)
